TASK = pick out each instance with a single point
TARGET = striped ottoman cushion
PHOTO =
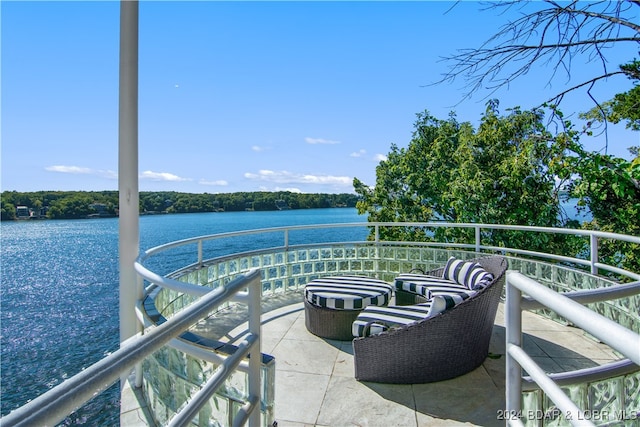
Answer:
(374, 320)
(347, 292)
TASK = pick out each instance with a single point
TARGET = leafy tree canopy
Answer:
(495, 174)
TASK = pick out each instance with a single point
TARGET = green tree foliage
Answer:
(608, 186)
(495, 174)
(8, 211)
(624, 107)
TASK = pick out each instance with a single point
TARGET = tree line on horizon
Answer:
(83, 204)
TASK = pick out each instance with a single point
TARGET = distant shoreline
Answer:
(104, 204)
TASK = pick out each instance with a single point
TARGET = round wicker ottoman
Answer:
(331, 304)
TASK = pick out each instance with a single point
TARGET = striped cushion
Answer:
(373, 320)
(413, 287)
(467, 273)
(347, 292)
(452, 292)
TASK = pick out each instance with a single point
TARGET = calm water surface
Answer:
(59, 293)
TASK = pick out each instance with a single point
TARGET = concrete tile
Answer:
(428, 421)
(279, 325)
(571, 364)
(269, 343)
(500, 315)
(134, 410)
(299, 332)
(289, 311)
(547, 364)
(496, 370)
(569, 344)
(469, 399)
(274, 330)
(135, 418)
(530, 345)
(534, 322)
(299, 396)
(344, 366)
(313, 357)
(130, 400)
(351, 403)
(498, 340)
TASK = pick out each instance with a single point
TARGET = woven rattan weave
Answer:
(445, 346)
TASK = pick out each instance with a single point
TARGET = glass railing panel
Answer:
(607, 397)
(632, 397)
(172, 377)
(532, 412)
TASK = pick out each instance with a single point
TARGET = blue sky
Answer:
(244, 96)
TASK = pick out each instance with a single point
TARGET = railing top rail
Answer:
(193, 240)
(575, 231)
(617, 336)
(436, 224)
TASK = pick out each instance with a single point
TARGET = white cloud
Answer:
(257, 148)
(68, 169)
(218, 183)
(380, 158)
(80, 170)
(320, 141)
(286, 177)
(162, 176)
(359, 153)
(290, 189)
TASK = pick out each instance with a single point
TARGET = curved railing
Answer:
(287, 262)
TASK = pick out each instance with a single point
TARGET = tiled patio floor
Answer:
(315, 383)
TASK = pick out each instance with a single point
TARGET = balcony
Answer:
(309, 381)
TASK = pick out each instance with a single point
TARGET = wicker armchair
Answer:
(445, 346)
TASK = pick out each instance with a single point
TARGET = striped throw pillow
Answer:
(467, 273)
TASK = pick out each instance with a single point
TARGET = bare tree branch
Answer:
(589, 82)
(552, 36)
(613, 19)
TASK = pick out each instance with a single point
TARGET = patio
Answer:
(314, 380)
(315, 383)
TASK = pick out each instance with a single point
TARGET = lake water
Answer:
(59, 293)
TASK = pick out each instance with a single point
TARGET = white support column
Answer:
(255, 358)
(129, 239)
(594, 254)
(513, 323)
